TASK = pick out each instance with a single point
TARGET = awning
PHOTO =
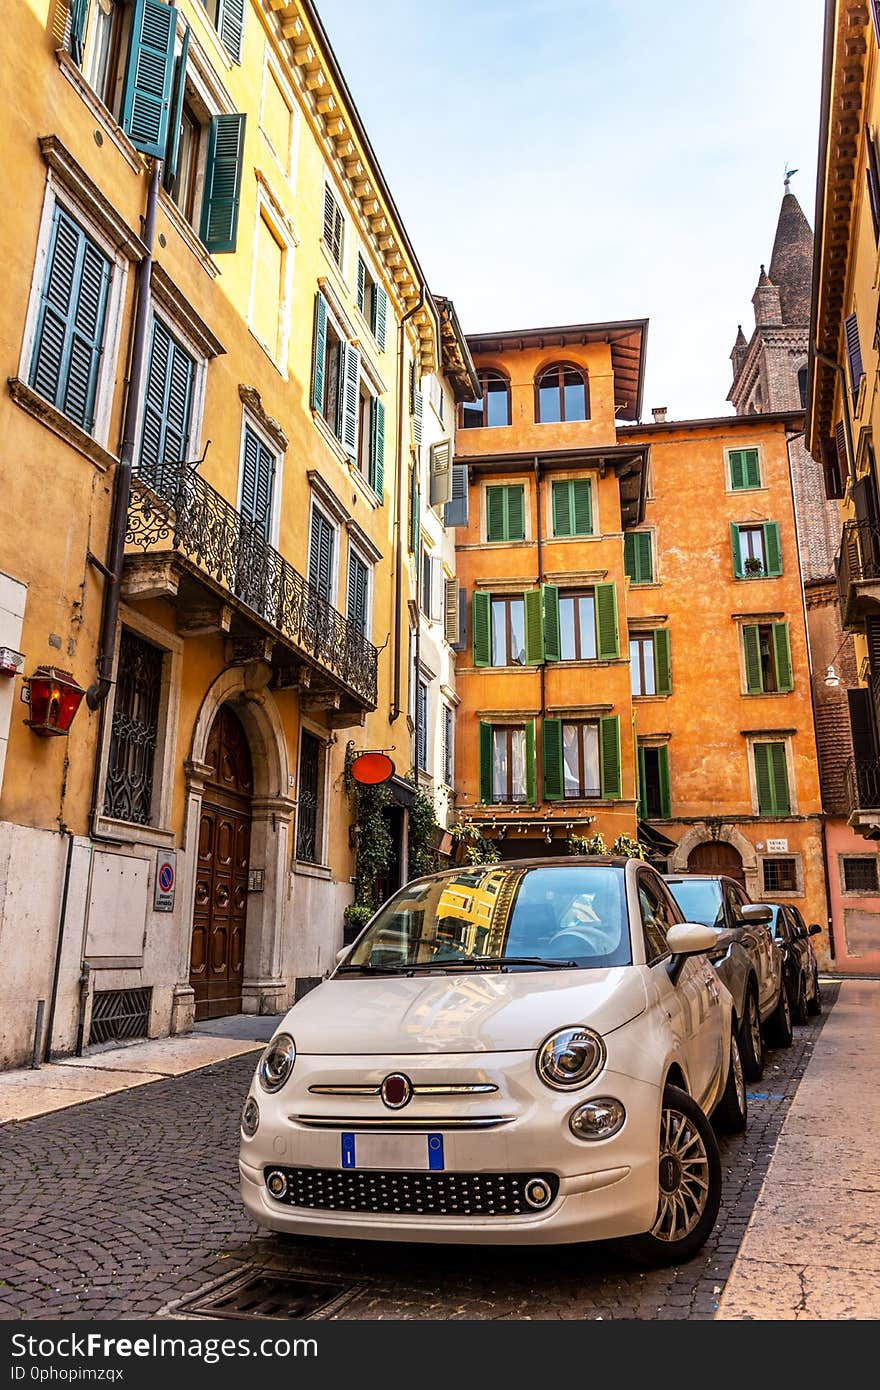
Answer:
(655, 839)
(402, 792)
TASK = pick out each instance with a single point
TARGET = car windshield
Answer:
(497, 917)
(700, 900)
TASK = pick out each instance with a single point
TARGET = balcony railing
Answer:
(858, 564)
(863, 784)
(177, 508)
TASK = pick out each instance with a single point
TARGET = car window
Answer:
(700, 900)
(734, 906)
(657, 918)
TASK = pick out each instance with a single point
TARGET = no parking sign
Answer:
(166, 877)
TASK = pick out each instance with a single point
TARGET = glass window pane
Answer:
(587, 612)
(499, 632)
(591, 758)
(575, 398)
(496, 398)
(499, 765)
(518, 763)
(472, 414)
(635, 670)
(566, 629)
(548, 401)
(648, 659)
(518, 631)
(570, 764)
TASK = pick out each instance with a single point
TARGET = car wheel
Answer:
(751, 1042)
(732, 1110)
(689, 1182)
(779, 1033)
(815, 1004)
(800, 1007)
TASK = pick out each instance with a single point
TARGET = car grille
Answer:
(422, 1194)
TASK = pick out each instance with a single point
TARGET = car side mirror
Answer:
(756, 913)
(342, 953)
(814, 929)
(691, 939)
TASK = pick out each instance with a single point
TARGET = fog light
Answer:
(597, 1119)
(537, 1193)
(277, 1184)
(250, 1117)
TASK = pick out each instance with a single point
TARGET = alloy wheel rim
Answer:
(754, 1027)
(739, 1080)
(684, 1177)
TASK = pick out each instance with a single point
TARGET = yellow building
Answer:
(843, 410)
(214, 331)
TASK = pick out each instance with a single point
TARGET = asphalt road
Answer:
(124, 1206)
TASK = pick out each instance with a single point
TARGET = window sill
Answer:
(336, 271)
(188, 234)
(566, 540)
(307, 870)
(776, 895)
(754, 578)
(124, 832)
(48, 415)
(102, 114)
(651, 699)
(643, 583)
(765, 694)
(361, 483)
(740, 491)
(516, 669)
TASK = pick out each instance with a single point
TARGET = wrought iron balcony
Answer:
(177, 510)
(858, 571)
(863, 796)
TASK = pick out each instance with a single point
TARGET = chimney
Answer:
(659, 414)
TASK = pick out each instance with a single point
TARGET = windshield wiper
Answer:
(481, 962)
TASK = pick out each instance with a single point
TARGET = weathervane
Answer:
(788, 176)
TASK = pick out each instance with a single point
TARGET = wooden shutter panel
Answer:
(534, 605)
(486, 762)
(480, 628)
(148, 72)
(662, 664)
(641, 778)
(172, 150)
(751, 468)
(230, 26)
(361, 283)
(415, 402)
(321, 555)
(319, 351)
(377, 446)
(223, 169)
(450, 611)
(644, 557)
(455, 513)
(441, 472)
(351, 401)
(629, 556)
(782, 650)
(461, 642)
(415, 523)
(496, 529)
(665, 791)
(582, 506)
(772, 548)
(853, 352)
(357, 592)
(609, 757)
(250, 468)
(551, 751)
(380, 315)
(737, 471)
(552, 639)
(79, 13)
(607, 642)
(531, 764)
(257, 480)
(736, 551)
(562, 509)
(516, 519)
(167, 401)
(752, 657)
(763, 782)
(779, 777)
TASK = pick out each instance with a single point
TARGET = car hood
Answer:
(473, 1012)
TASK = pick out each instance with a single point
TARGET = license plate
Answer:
(413, 1152)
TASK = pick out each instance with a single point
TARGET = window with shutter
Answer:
(643, 663)
(772, 549)
(662, 661)
(853, 353)
(70, 323)
(175, 141)
(451, 629)
(638, 557)
(609, 752)
(606, 622)
(480, 628)
(257, 483)
(441, 472)
(505, 513)
(358, 584)
(227, 17)
(333, 225)
(771, 779)
(572, 508)
(351, 399)
(148, 75)
(551, 758)
(872, 170)
(79, 12)
(767, 658)
(509, 633)
(448, 746)
(322, 542)
(167, 405)
(223, 171)
(377, 447)
(552, 637)
(745, 469)
(455, 513)
(486, 756)
(415, 524)
(534, 623)
(654, 786)
(422, 727)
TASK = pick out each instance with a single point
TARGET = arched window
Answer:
(562, 392)
(802, 387)
(493, 407)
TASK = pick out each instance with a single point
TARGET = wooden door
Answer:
(219, 917)
(716, 857)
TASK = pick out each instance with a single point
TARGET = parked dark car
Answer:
(748, 960)
(799, 965)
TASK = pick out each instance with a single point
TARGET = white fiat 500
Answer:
(526, 1052)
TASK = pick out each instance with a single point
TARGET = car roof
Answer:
(568, 861)
(705, 878)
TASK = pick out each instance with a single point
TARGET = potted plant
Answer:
(753, 565)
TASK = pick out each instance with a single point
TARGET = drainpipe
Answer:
(847, 422)
(97, 693)
(398, 549)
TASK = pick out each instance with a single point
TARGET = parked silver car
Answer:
(747, 959)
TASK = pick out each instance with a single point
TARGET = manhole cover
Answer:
(264, 1294)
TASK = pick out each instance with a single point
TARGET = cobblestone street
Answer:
(121, 1206)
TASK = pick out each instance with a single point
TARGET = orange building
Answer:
(636, 659)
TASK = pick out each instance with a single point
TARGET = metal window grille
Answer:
(308, 799)
(119, 1014)
(780, 876)
(859, 875)
(129, 792)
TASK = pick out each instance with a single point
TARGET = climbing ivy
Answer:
(423, 827)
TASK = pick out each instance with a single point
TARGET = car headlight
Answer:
(570, 1057)
(597, 1119)
(276, 1063)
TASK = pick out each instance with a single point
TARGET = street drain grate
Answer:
(264, 1294)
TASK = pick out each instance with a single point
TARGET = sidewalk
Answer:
(811, 1250)
(103, 1070)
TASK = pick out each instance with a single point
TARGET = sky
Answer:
(568, 161)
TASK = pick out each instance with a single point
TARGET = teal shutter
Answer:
(737, 472)
(736, 551)
(609, 757)
(772, 548)
(665, 790)
(495, 514)
(351, 399)
(562, 509)
(172, 150)
(361, 283)
(486, 762)
(70, 323)
(455, 513)
(79, 13)
(516, 513)
(531, 764)
(377, 446)
(257, 484)
(662, 663)
(552, 639)
(415, 523)
(779, 778)
(415, 402)
(357, 592)
(480, 628)
(319, 352)
(745, 469)
(230, 26)
(148, 72)
(321, 546)
(223, 170)
(752, 655)
(782, 651)
(380, 315)
(167, 401)
(551, 750)
(607, 643)
(534, 627)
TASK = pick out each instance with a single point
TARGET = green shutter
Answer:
(779, 776)
(638, 558)
(745, 469)
(582, 506)
(486, 762)
(149, 68)
(641, 777)
(752, 468)
(351, 399)
(763, 781)
(319, 350)
(79, 13)
(534, 606)
(607, 644)
(516, 519)
(572, 508)
(480, 628)
(609, 757)
(736, 551)
(752, 653)
(771, 779)
(772, 548)
(629, 555)
(377, 446)
(552, 639)
(495, 514)
(737, 473)
(782, 649)
(415, 525)
(380, 315)
(663, 772)
(662, 663)
(230, 26)
(361, 283)
(169, 171)
(562, 509)
(531, 764)
(223, 168)
(551, 751)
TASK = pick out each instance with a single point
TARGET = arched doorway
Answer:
(716, 857)
(220, 909)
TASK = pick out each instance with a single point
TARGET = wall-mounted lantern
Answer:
(54, 698)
